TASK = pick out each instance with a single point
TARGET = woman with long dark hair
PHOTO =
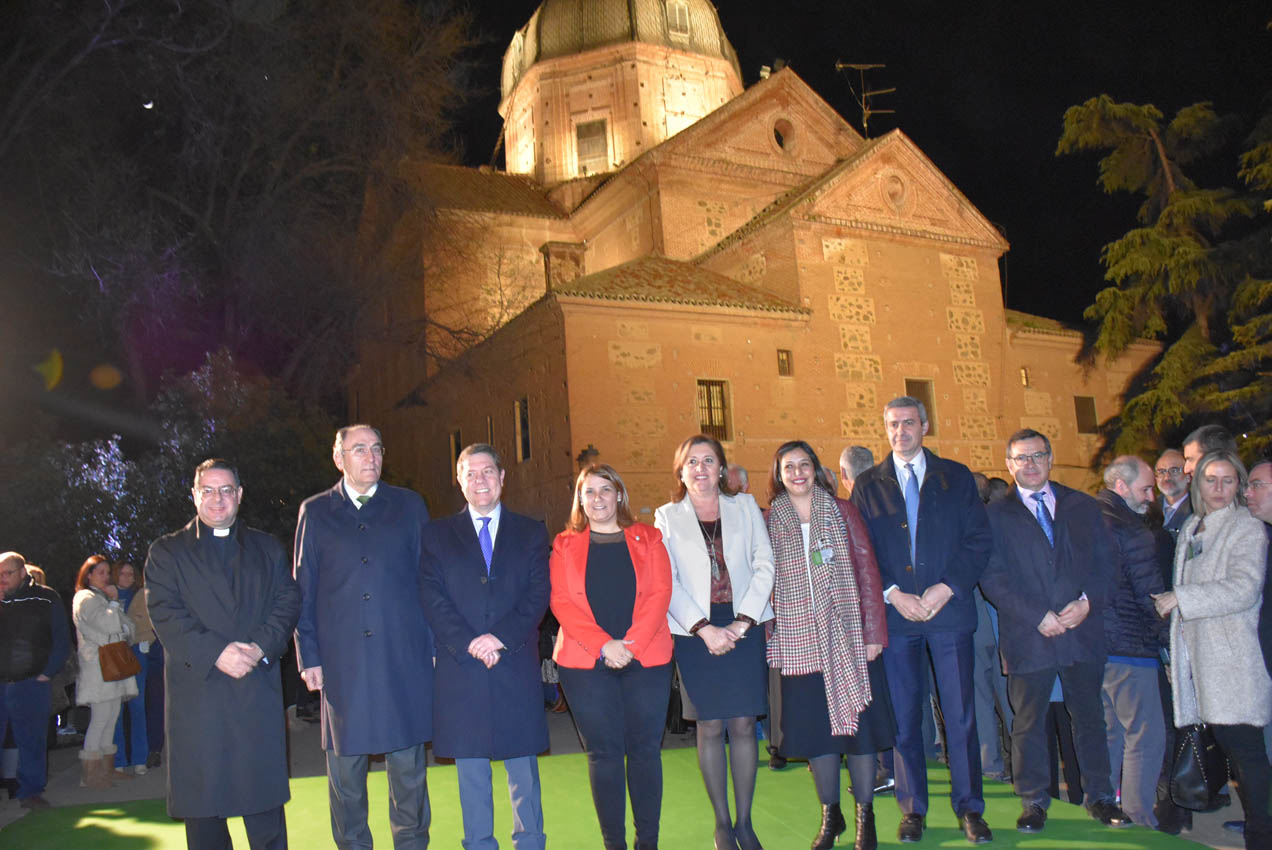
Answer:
(827, 638)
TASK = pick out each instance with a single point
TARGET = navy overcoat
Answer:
(952, 545)
(362, 618)
(494, 713)
(1027, 577)
(227, 751)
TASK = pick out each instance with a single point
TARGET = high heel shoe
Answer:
(725, 839)
(832, 826)
(747, 839)
(866, 838)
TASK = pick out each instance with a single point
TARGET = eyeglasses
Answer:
(1168, 472)
(226, 491)
(1036, 457)
(1257, 485)
(361, 451)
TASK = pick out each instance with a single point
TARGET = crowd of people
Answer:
(847, 623)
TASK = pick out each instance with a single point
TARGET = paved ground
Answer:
(307, 760)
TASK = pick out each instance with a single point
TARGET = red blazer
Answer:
(580, 640)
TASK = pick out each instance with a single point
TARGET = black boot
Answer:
(833, 825)
(866, 838)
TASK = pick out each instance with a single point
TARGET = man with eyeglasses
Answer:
(362, 639)
(1173, 483)
(223, 603)
(1049, 574)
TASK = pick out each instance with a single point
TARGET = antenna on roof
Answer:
(863, 95)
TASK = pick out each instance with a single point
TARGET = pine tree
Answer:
(1194, 274)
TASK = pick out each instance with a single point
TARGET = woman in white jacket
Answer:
(1218, 675)
(99, 619)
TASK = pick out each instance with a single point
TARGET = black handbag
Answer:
(1199, 770)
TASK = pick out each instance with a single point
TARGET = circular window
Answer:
(784, 134)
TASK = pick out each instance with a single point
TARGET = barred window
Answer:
(713, 409)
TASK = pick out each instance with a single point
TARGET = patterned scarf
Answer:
(821, 633)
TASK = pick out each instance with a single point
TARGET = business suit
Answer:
(485, 713)
(951, 547)
(362, 621)
(1028, 577)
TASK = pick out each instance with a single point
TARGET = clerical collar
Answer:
(220, 532)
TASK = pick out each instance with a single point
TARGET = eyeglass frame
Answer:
(1034, 458)
(361, 451)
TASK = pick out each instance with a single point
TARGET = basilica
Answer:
(668, 252)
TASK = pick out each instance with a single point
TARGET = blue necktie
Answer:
(912, 507)
(1044, 519)
(487, 546)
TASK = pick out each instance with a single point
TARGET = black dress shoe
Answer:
(911, 829)
(1031, 819)
(777, 761)
(975, 828)
(1109, 814)
(833, 825)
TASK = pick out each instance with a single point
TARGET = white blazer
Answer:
(747, 554)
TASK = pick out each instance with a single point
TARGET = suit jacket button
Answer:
(364, 560)
(367, 633)
(483, 579)
(361, 527)
(366, 596)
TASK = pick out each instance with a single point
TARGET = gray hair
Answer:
(1125, 468)
(344, 432)
(856, 459)
(907, 401)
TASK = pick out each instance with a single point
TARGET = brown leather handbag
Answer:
(117, 661)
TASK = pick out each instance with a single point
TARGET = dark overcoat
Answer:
(494, 713)
(226, 743)
(1027, 577)
(952, 545)
(362, 618)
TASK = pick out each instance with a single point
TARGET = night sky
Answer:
(982, 88)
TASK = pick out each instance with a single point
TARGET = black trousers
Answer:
(1243, 744)
(266, 830)
(620, 715)
(1030, 695)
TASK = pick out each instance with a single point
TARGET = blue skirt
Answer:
(717, 687)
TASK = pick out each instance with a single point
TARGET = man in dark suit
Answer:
(223, 603)
(1049, 575)
(931, 539)
(486, 589)
(362, 639)
(1259, 498)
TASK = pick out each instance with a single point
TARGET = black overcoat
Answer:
(226, 746)
(494, 713)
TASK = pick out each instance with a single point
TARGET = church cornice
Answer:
(898, 230)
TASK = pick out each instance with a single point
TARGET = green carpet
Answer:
(786, 816)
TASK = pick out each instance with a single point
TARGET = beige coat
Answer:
(747, 554)
(98, 621)
(1218, 675)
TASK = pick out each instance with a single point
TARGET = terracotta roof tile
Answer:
(659, 280)
(457, 187)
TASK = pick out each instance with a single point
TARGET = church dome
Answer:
(567, 27)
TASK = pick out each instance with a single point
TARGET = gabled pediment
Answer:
(779, 123)
(892, 186)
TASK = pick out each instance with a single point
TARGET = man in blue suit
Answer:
(1053, 564)
(363, 640)
(486, 589)
(931, 539)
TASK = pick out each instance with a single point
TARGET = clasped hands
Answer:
(720, 640)
(921, 608)
(616, 654)
(1070, 617)
(239, 658)
(486, 648)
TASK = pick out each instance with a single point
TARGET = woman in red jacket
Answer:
(827, 638)
(611, 584)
